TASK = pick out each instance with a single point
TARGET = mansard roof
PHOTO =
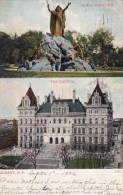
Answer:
(101, 94)
(73, 107)
(31, 96)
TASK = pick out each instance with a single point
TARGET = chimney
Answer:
(45, 98)
(74, 96)
(51, 97)
(38, 101)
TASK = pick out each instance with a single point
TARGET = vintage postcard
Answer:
(61, 38)
(55, 126)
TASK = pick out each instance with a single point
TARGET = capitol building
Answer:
(85, 126)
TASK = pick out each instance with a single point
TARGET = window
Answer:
(59, 120)
(21, 130)
(44, 129)
(53, 130)
(54, 120)
(96, 140)
(90, 131)
(25, 130)
(30, 130)
(102, 131)
(90, 120)
(102, 120)
(41, 130)
(25, 121)
(30, 121)
(21, 138)
(83, 121)
(75, 130)
(64, 130)
(90, 139)
(83, 139)
(30, 138)
(83, 130)
(37, 138)
(21, 121)
(79, 121)
(37, 121)
(75, 120)
(74, 139)
(58, 130)
(65, 120)
(41, 121)
(96, 131)
(37, 129)
(79, 130)
(79, 139)
(45, 121)
(96, 121)
(102, 139)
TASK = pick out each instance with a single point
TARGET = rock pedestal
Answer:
(59, 55)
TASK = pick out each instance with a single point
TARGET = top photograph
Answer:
(61, 38)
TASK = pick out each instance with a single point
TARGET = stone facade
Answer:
(86, 127)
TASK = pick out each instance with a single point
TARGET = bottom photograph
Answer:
(61, 123)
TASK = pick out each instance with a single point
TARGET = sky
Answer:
(12, 90)
(84, 16)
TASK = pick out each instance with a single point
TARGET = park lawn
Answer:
(10, 160)
(6, 73)
(87, 164)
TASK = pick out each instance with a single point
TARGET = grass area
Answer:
(10, 71)
(39, 74)
(10, 160)
(87, 163)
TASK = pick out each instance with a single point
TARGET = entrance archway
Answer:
(62, 140)
(56, 140)
(51, 140)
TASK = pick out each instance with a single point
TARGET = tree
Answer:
(102, 44)
(64, 154)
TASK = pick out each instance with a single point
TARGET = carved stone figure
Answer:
(57, 20)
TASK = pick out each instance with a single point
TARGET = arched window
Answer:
(30, 121)
(44, 129)
(90, 120)
(83, 130)
(54, 120)
(90, 139)
(41, 130)
(25, 121)
(75, 130)
(75, 120)
(90, 131)
(102, 120)
(96, 140)
(58, 130)
(64, 130)
(102, 139)
(83, 121)
(102, 131)
(96, 131)
(65, 120)
(79, 130)
(83, 139)
(53, 130)
(79, 121)
(96, 121)
(79, 139)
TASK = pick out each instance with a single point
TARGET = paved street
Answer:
(47, 158)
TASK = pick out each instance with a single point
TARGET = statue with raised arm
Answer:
(57, 20)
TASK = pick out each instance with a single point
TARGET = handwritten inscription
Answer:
(60, 182)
